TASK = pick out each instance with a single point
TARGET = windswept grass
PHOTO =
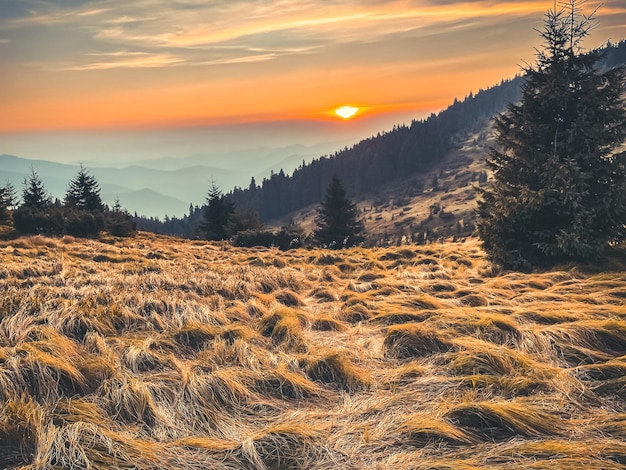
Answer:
(154, 352)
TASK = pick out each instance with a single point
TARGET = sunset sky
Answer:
(116, 68)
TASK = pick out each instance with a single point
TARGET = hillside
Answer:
(436, 204)
(159, 353)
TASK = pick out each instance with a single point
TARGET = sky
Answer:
(119, 81)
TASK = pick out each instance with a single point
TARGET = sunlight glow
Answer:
(346, 112)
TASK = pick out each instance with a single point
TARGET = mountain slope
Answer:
(405, 153)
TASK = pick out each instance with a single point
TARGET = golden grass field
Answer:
(159, 353)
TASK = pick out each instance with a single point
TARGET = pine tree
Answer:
(217, 214)
(5, 214)
(37, 214)
(10, 194)
(34, 194)
(337, 221)
(83, 192)
(559, 180)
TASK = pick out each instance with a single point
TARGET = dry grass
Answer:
(156, 353)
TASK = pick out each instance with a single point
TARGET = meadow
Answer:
(160, 353)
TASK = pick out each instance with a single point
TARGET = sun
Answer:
(346, 112)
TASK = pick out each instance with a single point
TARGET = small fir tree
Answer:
(337, 220)
(10, 194)
(5, 214)
(34, 194)
(559, 180)
(37, 214)
(83, 208)
(83, 192)
(217, 214)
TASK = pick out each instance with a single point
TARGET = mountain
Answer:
(256, 160)
(406, 152)
(166, 186)
(149, 198)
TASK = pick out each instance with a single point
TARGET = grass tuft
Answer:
(504, 420)
(334, 369)
(411, 340)
(284, 327)
(418, 430)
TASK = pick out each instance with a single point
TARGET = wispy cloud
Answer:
(172, 31)
(124, 59)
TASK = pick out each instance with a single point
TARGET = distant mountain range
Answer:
(166, 186)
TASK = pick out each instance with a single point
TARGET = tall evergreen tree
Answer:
(217, 214)
(559, 179)
(337, 220)
(83, 192)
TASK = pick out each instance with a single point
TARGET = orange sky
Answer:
(78, 64)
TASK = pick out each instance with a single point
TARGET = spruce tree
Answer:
(337, 220)
(34, 194)
(83, 192)
(217, 214)
(559, 180)
(5, 214)
(37, 214)
(10, 195)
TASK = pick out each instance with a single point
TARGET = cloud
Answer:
(124, 59)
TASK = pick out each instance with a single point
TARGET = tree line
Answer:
(81, 212)
(337, 223)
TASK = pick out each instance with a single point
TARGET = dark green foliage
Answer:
(5, 214)
(217, 215)
(559, 182)
(250, 238)
(288, 237)
(119, 223)
(82, 215)
(37, 214)
(83, 192)
(10, 196)
(243, 220)
(84, 210)
(337, 221)
(34, 194)
(82, 223)
(40, 221)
